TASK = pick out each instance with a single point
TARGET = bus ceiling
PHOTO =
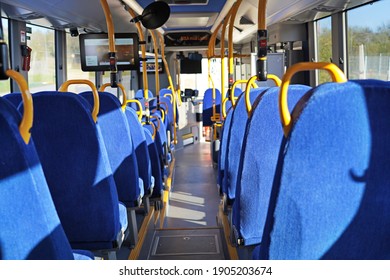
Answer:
(189, 15)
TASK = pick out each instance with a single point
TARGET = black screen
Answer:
(189, 66)
(94, 51)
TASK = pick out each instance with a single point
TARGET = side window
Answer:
(73, 65)
(368, 40)
(324, 45)
(5, 86)
(41, 76)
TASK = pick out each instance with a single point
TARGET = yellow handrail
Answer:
(215, 117)
(139, 112)
(158, 121)
(173, 99)
(162, 113)
(143, 52)
(230, 45)
(248, 104)
(103, 88)
(224, 107)
(156, 74)
(111, 41)
(154, 128)
(232, 97)
(337, 76)
(96, 103)
(223, 58)
(168, 94)
(177, 91)
(277, 81)
(28, 109)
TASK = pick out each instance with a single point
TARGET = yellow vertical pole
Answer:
(143, 51)
(230, 40)
(157, 77)
(223, 58)
(171, 85)
(111, 43)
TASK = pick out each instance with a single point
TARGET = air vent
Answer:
(30, 16)
(186, 2)
(246, 21)
(326, 9)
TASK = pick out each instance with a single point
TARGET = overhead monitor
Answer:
(189, 66)
(150, 65)
(94, 51)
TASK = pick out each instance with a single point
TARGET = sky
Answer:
(372, 16)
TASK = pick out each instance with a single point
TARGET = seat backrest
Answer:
(76, 166)
(208, 105)
(15, 98)
(260, 149)
(222, 150)
(330, 198)
(140, 94)
(237, 93)
(157, 171)
(225, 132)
(234, 143)
(29, 224)
(169, 97)
(140, 146)
(117, 140)
(167, 106)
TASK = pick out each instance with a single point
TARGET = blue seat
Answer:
(117, 140)
(29, 224)
(234, 145)
(166, 104)
(160, 142)
(76, 166)
(157, 169)
(141, 149)
(162, 93)
(330, 197)
(15, 98)
(140, 94)
(222, 150)
(260, 149)
(237, 93)
(208, 102)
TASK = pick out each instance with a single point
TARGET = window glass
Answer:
(5, 86)
(368, 41)
(125, 83)
(324, 46)
(201, 81)
(41, 76)
(73, 65)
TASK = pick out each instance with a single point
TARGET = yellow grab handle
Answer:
(277, 81)
(96, 103)
(224, 107)
(28, 110)
(169, 94)
(154, 129)
(232, 99)
(124, 102)
(158, 121)
(162, 113)
(139, 112)
(248, 104)
(335, 72)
